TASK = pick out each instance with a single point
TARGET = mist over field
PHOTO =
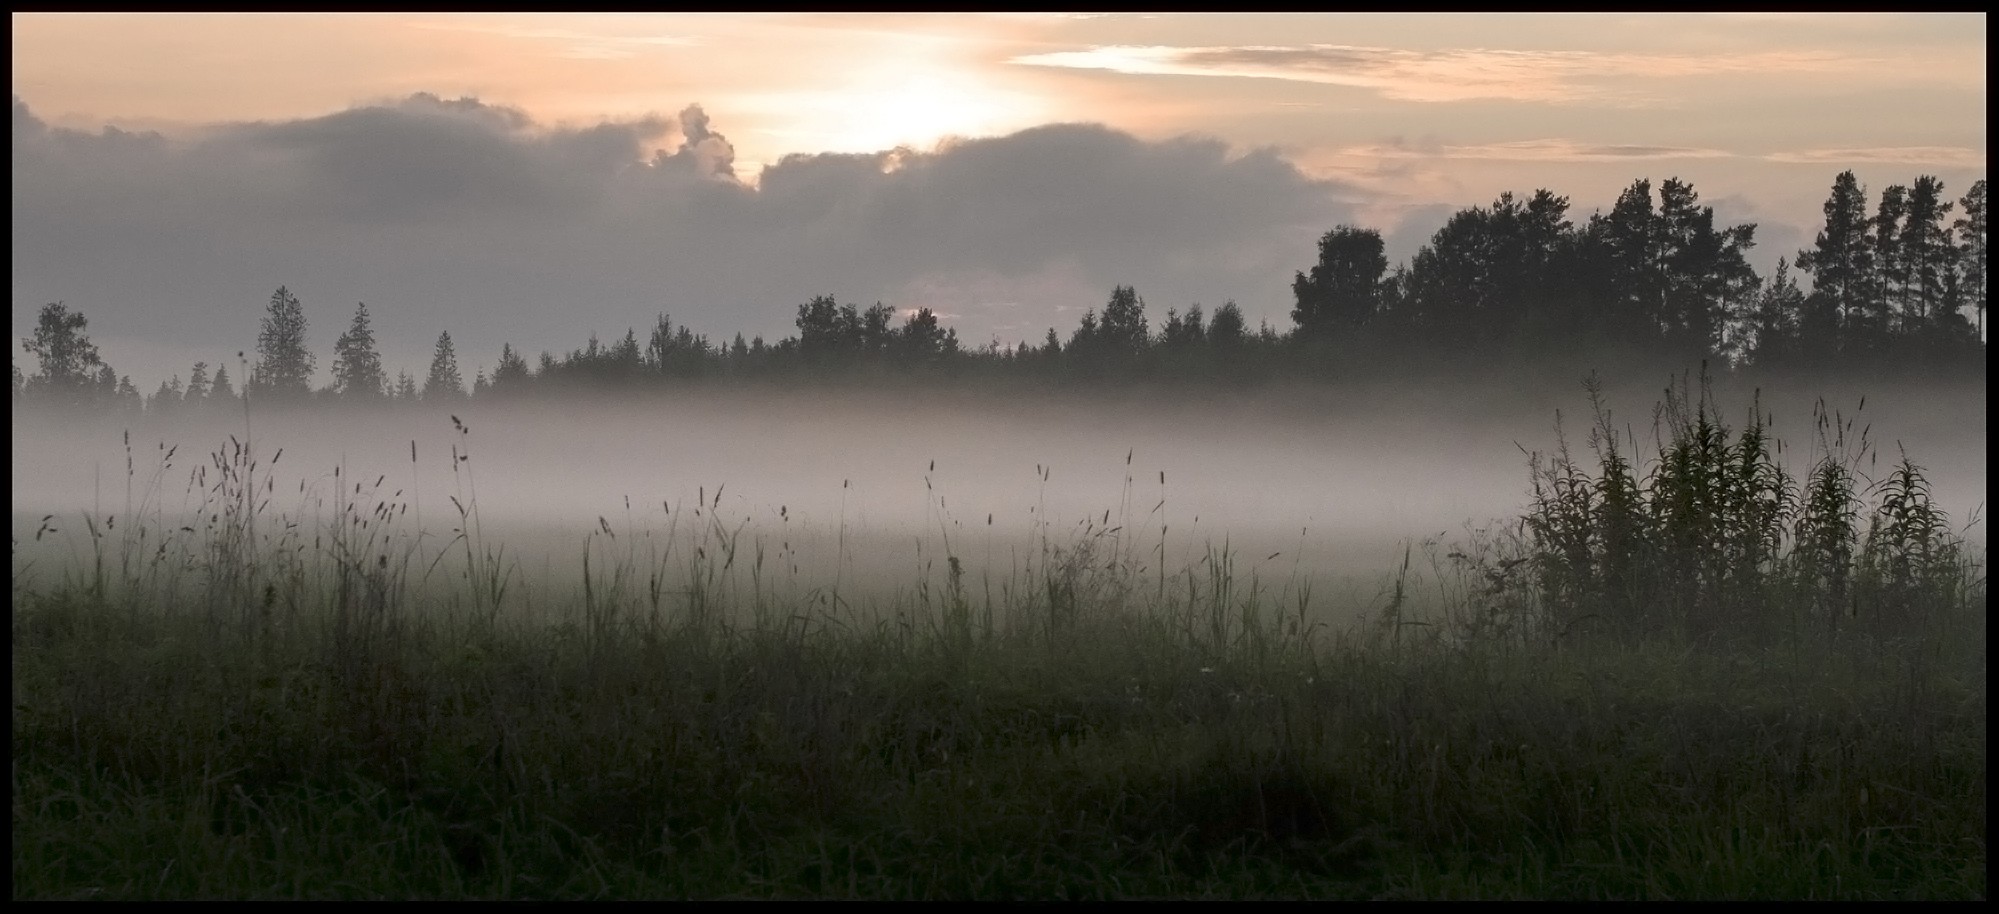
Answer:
(1316, 484)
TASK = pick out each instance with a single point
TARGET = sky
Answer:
(535, 179)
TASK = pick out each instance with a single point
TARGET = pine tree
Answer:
(1971, 229)
(444, 382)
(1928, 257)
(284, 365)
(1841, 264)
(1708, 278)
(405, 387)
(1631, 240)
(357, 368)
(1779, 314)
(1873, 322)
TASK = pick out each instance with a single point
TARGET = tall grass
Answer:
(1714, 539)
(258, 705)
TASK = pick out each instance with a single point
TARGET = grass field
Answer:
(1689, 675)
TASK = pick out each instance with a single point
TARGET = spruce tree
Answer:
(357, 368)
(512, 372)
(220, 390)
(284, 365)
(197, 383)
(444, 382)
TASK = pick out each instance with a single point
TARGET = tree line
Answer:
(1904, 284)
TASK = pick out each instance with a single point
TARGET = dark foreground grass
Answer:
(1698, 678)
(169, 758)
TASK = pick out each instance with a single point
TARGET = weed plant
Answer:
(1714, 540)
(1759, 696)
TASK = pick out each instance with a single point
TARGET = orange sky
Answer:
(1437, 107)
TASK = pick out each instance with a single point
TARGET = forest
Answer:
(1894, 290)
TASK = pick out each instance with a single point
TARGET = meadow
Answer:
(1692, 664)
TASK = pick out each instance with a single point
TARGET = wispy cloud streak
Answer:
(1449, 75)
(1541, 150)
(577, 44)
(1954, 156)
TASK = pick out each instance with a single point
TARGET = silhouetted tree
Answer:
(511, 375)
(922, 342)
(405, 387)
(1971, 229)
(444, 381)
(1228, 329)
(1123, 329)
(166, 398)
(1629, 253)
(221, 391)
(357, 369)
(676, 352)
(1708, 279)
(1484, 272)
(1872, 324)
(1775, 324)
(197, 383)
(68, 364)
(1343, 291)
(1841, 264)
(877, 336)
(284, 365)
(828, 332)
(1928, 258)
(1181, 333)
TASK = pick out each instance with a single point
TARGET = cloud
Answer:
(471, 217)
(575, 44)
(1541, 150)
(1951, 156)
(1447, 75)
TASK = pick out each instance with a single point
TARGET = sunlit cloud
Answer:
(1953, 156)
(1450, 75)
(889, 108)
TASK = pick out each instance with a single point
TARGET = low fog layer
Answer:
(1337, 481)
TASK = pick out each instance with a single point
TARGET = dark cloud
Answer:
(464, 216)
